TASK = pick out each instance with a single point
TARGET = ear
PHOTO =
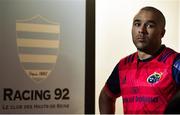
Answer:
(163, 33)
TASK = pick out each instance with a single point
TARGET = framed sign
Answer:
(47, 56)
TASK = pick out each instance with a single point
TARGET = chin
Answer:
(141, 47)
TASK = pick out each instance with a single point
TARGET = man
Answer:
(148, 79)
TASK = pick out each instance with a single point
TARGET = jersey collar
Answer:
(156, 54)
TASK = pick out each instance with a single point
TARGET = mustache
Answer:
(141, 36)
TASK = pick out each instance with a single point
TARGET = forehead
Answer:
(144, 15)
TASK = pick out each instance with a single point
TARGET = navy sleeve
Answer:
(113, 81)
(176, 69)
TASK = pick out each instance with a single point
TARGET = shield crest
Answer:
(38, 43)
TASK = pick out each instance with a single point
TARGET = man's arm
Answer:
(109, 93)
(176, 70)
(106, 103)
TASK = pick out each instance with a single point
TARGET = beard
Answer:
(141, 46)
(147, 47)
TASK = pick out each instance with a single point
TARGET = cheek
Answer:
(155, 37)
(154, 33)
(134, 33)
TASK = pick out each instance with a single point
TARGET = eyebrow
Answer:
(136, 20)
(149, 21)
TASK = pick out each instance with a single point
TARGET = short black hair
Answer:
(162, 19)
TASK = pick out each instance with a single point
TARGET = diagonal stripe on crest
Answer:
(30, 27)
(38, 58)
(38, 43)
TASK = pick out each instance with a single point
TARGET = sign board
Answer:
(42, 45)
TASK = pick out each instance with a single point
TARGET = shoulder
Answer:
(128, 59)
(167, 55)
(176, 62)
(176, 69)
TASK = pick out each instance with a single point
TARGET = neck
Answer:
(145, 55)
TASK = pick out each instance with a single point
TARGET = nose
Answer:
(142, 29)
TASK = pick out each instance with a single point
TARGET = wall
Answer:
(113, 34)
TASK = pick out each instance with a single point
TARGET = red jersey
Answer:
(146, 86)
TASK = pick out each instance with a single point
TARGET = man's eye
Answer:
(150, 25)
(137, 24)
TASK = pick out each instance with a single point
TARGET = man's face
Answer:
(147, 31)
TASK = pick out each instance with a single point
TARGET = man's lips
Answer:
(141, 39)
